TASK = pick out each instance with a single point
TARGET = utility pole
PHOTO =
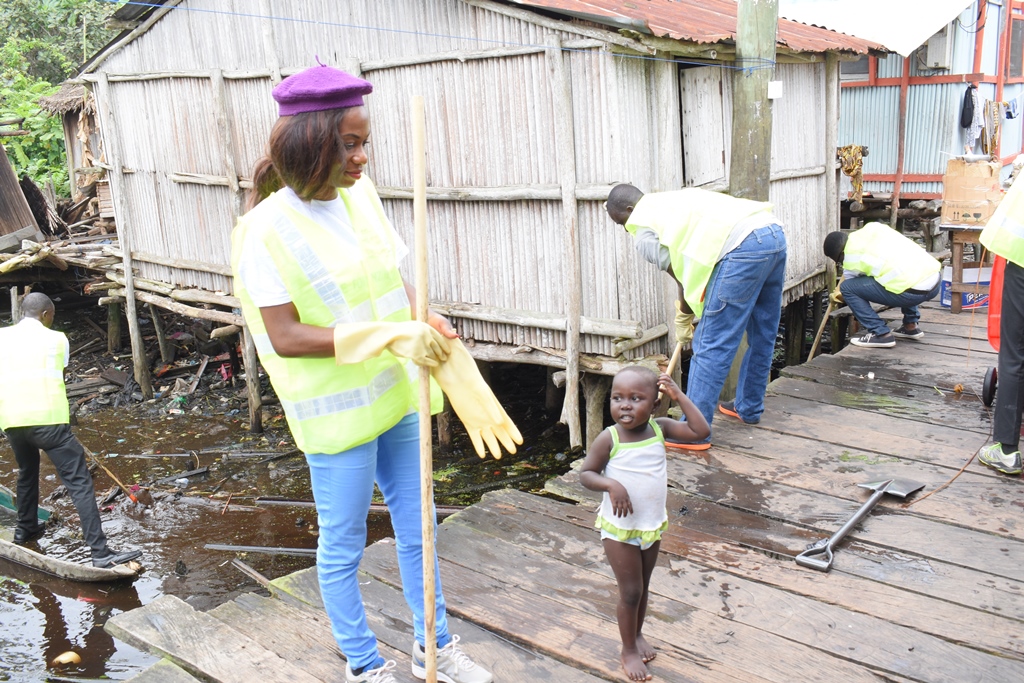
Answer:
(757, 24)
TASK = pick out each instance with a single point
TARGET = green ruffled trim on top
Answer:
(629, 534)
(617, 445)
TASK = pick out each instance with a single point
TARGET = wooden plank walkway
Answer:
(929, 591)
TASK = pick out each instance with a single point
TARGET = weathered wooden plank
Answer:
(868, 402)
(888, 527)
(865, 639)
(502, 514)
(976, 500)
(907, 369)
(389, 617)
(163, 672)
(977, 318)
(846, 426)
(579, 637)
(200, 644)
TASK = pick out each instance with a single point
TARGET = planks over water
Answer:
(929, 592)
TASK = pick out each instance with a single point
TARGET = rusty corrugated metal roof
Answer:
(698, 21)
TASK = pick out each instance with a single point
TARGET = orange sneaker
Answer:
(674, 446)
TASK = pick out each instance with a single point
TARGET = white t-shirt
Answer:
(259, 272)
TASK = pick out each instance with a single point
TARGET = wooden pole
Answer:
(15, 305)
(757, 23)
(821, 329)
(117, 187)
(166, 351)
(419, 208)
(113, 327)
(252, 382)
(565, 156)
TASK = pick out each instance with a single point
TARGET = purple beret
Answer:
(319, 88)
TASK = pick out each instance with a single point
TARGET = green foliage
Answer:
(41, 44)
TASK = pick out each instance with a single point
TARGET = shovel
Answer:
(819, 555)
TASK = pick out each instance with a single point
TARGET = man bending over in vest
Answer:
(728, 257)
(880, 265)
(34, 414)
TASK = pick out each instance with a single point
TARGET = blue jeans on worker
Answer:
(859, 293)
(744, 294)
(343, 488)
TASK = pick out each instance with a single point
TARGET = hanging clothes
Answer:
(993, 112)
(977, 120)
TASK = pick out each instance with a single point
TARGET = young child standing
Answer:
(627, 463)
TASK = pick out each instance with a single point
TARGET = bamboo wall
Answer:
(188, 111)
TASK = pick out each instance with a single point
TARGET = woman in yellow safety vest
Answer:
(316, 268)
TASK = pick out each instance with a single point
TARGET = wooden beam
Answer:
(627, 329)
(565, 157)
(252, 382)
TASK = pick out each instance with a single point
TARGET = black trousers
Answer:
(1010, 381)
(68, 458)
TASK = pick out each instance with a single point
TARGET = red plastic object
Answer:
(995, 301)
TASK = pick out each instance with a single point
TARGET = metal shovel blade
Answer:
(819, 555)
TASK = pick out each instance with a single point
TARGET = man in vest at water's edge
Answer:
(34, 414)
(882, 266)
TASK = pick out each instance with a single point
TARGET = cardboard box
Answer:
(970, 192)
(968, 300)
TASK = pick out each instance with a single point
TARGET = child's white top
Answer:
(640, 468)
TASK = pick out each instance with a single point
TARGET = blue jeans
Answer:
(342, 489)
(859, 292)
(744, 294)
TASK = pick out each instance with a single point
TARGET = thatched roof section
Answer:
(70, 97)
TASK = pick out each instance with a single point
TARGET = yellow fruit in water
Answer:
(67, 658)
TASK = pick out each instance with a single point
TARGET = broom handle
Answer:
(821, 329)
(419, 164)
(110, 474)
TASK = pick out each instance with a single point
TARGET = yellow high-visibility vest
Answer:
(694, 224)
(1004, 232)
(894, 261)
(32, 375)
(331, 408)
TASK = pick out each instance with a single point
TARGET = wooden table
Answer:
(959, 236)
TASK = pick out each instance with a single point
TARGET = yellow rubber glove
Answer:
(419, 342)
(836, 297)
(684, 326)
(475, 404)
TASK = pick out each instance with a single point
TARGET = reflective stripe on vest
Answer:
(1004, 232)
(332, 408)
(694, 225)
(32, 359)
(894, 261)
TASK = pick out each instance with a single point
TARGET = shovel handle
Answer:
(818, 556)
(117, 481)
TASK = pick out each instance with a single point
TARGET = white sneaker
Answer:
(381, 674)
(453, 665)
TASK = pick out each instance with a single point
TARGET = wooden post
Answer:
(550, 391)
(252, 382)
(220, 109)
(113, 327)
(428, 518)
(794, 316)
(565, 154)
(166, 350)
(15, 305)
(444, 426)
(832, 171)
(595, 391)
(117, 188)
(901, 143)
(750, 163)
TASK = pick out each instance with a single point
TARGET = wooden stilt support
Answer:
(595, 391)
(15, 305)
(550, 392)
(113, 327)
(252, 382)
(795, 331)
(166, 348)
(444, 426)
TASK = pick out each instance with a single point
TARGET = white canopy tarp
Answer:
(900, 25)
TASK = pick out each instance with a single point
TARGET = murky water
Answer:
(42, 617)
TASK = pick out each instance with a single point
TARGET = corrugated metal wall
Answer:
(870, 115)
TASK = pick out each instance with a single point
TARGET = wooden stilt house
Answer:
(535, 110)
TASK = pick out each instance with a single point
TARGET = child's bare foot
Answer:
(633, 665)
(647, 653)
